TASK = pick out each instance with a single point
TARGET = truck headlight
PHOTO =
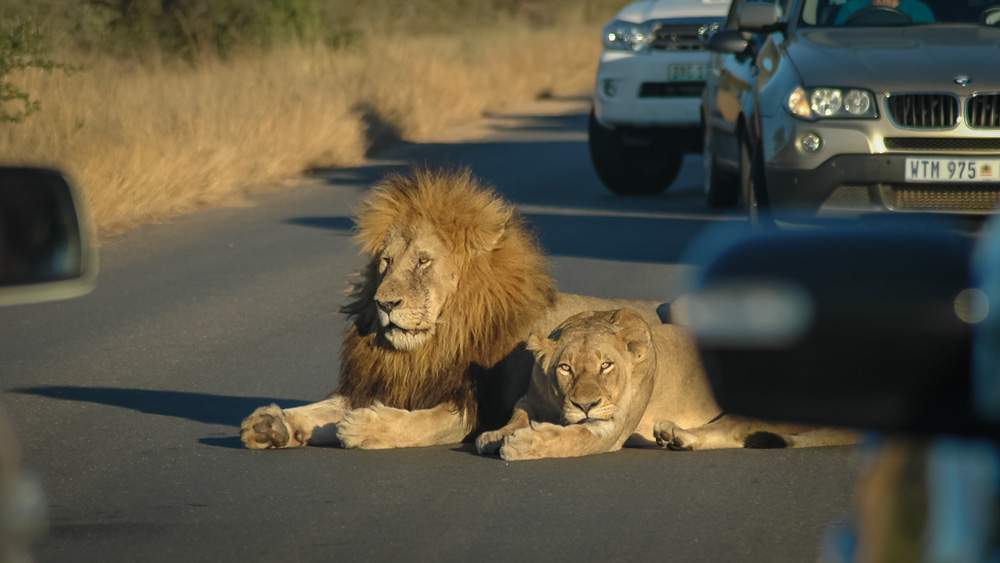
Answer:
(831, 103)
(626, 36)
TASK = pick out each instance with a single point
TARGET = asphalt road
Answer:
(128, 400)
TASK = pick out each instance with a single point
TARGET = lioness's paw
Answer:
(525, 443)
(370, 428)
(672, 437)
(541, 440)
(265, 428)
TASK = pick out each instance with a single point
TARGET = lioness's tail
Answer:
(804, 439)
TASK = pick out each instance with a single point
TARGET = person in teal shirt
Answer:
(917, 11)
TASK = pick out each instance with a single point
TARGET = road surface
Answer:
(128, 401)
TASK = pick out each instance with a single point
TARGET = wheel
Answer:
(632, 170)
(721, 187)
(753, 188)
(877, 15)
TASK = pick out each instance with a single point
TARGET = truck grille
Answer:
(680, 37)
(983, 111)
(942, 198)
(671, 89)
(923, 111)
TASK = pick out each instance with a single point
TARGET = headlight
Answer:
(831, 103)
(624, 36)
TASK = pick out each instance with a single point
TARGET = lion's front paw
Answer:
(370, 428)
(490, 442)
(266, 428)
(672, 437)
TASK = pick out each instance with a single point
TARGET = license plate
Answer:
(687, 72)
(952, 170)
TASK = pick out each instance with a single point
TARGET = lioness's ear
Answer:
(541, 348)
(637, 342)
(634, 332)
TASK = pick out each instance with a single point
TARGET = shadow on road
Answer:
(344, 224)
(199, 407)
(612, 237)
(570, 211)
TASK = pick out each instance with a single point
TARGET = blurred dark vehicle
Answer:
(46, 253)
(808, 114)
(892, 330)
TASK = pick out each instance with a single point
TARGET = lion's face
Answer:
(591, 360)
(416, 277)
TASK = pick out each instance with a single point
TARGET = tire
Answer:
(722, 189)
(627, 170)
(753, 188)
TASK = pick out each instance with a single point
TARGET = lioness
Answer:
(434, 353)
(606, 379)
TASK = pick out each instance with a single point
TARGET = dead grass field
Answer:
(147, 141)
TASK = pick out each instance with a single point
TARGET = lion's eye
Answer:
(423, 261)
(383, 264)
(607, 366)
(564, 368)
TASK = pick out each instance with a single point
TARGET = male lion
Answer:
(453, 286)
(611, 379)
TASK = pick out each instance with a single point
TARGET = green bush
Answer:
(196, 28)
(205, 28)
(22, 46)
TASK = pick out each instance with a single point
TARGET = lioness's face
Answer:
(416, 277)
(590, 373)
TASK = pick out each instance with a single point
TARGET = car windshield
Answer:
(866, 13)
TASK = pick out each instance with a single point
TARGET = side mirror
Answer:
(860, 328)
(46, 244)
(759, 17)
(728, 41)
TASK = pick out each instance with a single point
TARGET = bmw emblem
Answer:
(962, 80)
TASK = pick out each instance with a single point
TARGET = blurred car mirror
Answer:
(46, 243)
(728, 41)
(857, 328)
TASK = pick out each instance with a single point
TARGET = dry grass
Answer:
(152, 140)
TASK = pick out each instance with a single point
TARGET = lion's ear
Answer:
(486, 235)
(634, 332)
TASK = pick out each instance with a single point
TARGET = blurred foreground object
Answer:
(851, 327)
(46, 243)
(893, 330)
(46, 253)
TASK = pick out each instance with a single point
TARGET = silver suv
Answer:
(833, 108)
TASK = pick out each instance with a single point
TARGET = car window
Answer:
(851, 13)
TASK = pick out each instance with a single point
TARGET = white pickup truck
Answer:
(650, 77)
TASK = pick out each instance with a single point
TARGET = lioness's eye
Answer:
(606, 367)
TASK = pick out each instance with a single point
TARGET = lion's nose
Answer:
(388, 306)
(585, 408)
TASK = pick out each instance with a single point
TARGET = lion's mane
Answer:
(503, 286)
